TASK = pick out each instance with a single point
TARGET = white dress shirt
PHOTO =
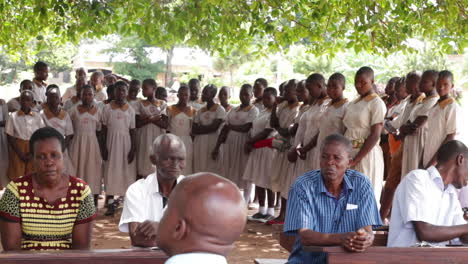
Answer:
(197, 258)
(422, 196)
(143, 202)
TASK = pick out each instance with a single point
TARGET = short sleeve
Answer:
(10, 126)
(87, 210)
(10, 204)
(414, 206)
(132, 210)
(451, 117)
(368, 213)
(132, 118)
(299, 213)
(253, 113)
(68, 125)
(220, 112)
(378, 110)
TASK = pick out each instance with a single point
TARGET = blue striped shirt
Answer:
(311, 206)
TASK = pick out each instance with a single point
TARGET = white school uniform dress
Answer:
(332, 122)
(143, 201)
(39, 90)
(69, 93)
(100, 95)
(204, 144)
(414, 144)
(70, 103)
(84, 148)
(314, 120)
(135, 104)
(233, 158)
(118, 173)
(422, 196)
(297, 168)
(4, 180)
(63, 124)
(444, 119)
(197, 104)
(360, 116)
(259, 105)
(258, 167)
(147, 134)
(180, 124)
(286, 116)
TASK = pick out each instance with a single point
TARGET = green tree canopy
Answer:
(379, 26)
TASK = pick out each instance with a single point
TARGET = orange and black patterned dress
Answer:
(44, 225)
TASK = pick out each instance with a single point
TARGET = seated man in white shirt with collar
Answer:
(206, 214)
(426, 206)
(146, 199)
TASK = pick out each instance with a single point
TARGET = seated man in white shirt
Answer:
(206, 214)
(146, 199)
(426, 206)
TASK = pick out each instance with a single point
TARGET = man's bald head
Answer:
(169, 156)
(206, 213)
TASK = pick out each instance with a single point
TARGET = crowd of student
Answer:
(267, 141)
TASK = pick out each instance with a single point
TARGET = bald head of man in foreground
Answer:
(206, 214)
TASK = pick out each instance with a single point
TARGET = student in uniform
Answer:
(133, 91)
(54, 116)
(180, 124)
(84, 147)
(161, 93)
(110, 97)
(96, 81)
(444, 123)
(233, 136)
(415, 129)
(195, 102)
(80, 73)
(259, 86)
(75, 100)
(118, 145)
(364, 121)
(282, 117)
(258, 167)
(223, 98)
(41, 73)
(3, 144)
(205, 128)
(19, 128)
(14, 103)
(151, 121)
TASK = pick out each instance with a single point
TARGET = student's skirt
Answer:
(17, 167)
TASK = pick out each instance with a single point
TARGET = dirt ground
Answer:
(257, 241)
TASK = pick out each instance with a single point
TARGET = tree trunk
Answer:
(168, 74)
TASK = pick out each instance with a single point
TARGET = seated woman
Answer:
(46, 210)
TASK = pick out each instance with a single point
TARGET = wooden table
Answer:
(103, 256)
(384, 255)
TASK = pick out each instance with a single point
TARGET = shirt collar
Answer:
(197, 257)
(153, 182)
(347, 186)
(435, 176)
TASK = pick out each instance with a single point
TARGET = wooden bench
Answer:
(385, 255)
(270, 261)
(106, 256)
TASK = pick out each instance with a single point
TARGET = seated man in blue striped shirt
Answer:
(333, 206)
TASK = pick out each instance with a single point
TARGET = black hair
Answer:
(151, 82)
(413, 75)
(316, 77)
(338, 77)
(271, 91)
(212, 87)
(261, 81)
(194, 81)
(110, 89)
(24, 82)
(160, 90)
(400, 82)
(43, 134)
(39, 65)
(433, 74)
(87, 86)
(135, 82)
(367, 71)
(337, 138)
(450, 150)
(121, 84)
(247, 86)
(52, 86)
(446, 74)
(281, 88)
(27, 92)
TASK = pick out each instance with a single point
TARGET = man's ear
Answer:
(153, 159)
(460, 160)
(181, 230)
